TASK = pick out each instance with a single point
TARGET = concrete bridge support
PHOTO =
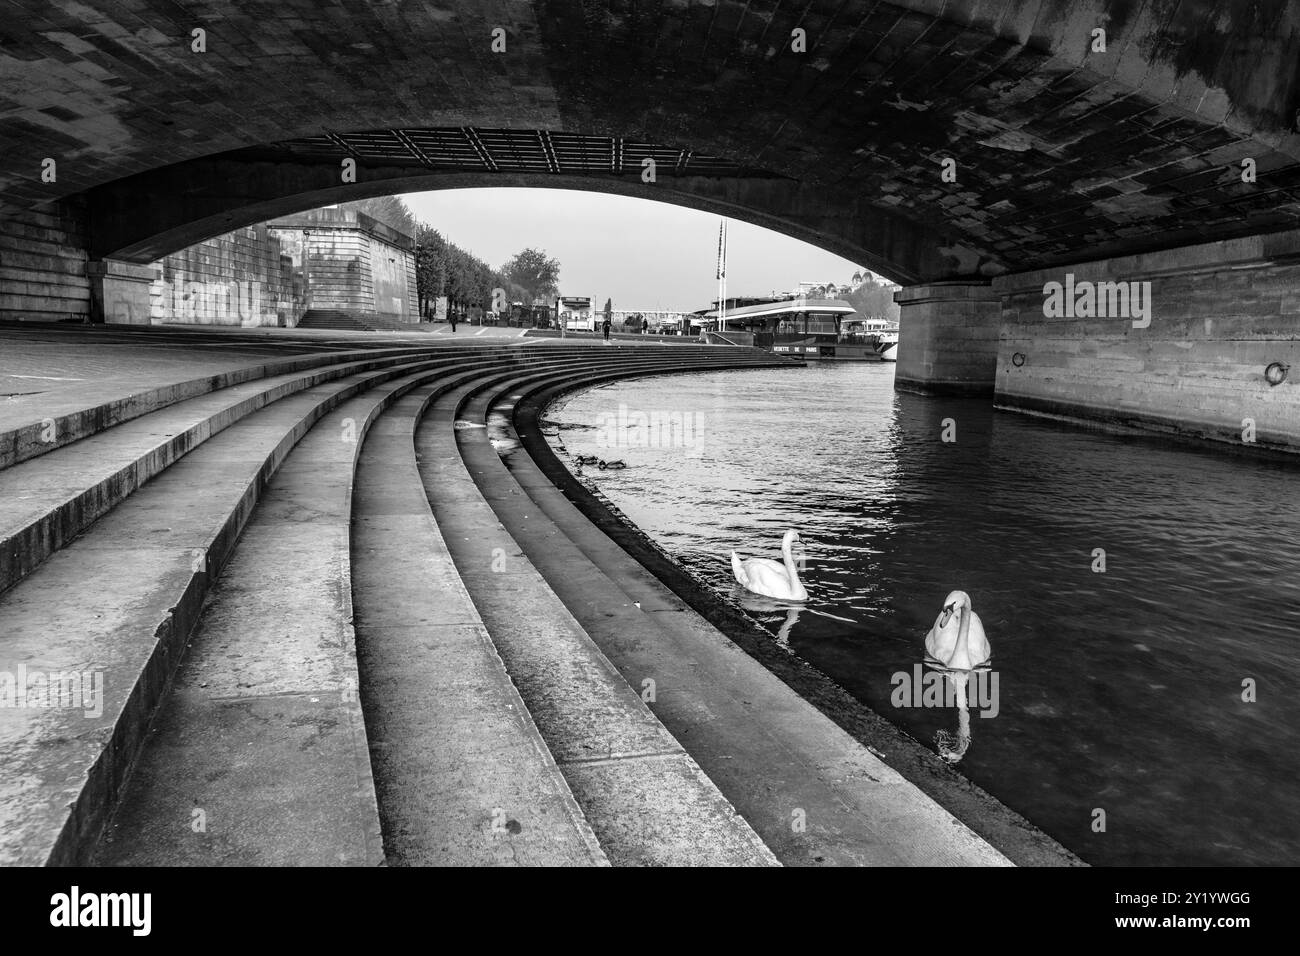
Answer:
(1200, 342)
(1220, 314)
(119, 291)
(43, 255)
(948, 342)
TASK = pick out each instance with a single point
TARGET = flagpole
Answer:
(722, 275)
(722, 306)
(718, 277)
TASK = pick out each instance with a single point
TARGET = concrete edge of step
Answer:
(92, 808)
(361, 741)
(103, 783)
(45, 435)
(760, 853)
(23, 549)
(1004, 829)
(108, 779)
(573, 811)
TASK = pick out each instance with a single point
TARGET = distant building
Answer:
(577, 313)
(272, 273)
(239, 278)
(351, 262)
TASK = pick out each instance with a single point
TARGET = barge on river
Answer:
(809, 328)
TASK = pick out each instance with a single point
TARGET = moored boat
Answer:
(886, 345)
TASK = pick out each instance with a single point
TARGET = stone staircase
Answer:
(345, 321)
(332, 627)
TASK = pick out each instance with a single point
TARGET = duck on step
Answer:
(774, 579)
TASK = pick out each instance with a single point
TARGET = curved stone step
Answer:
(646, 799)
(49, 500)
(97, 405)
(462, 774)
(262, 731)
(139, 576)
(217, 700)
(775, 756)
(271, 673)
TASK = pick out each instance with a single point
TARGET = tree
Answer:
(444, 269)
(430, 265)
(537, 274)
(873, 297)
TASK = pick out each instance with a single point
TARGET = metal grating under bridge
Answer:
(473, 149)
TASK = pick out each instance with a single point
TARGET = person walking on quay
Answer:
(452, 317)
(605, 327)
(645, 325)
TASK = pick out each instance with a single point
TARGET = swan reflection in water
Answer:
(769, 611)
(957, 647)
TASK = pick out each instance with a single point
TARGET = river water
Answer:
(1142, 598)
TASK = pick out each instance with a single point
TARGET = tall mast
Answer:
(722, 275)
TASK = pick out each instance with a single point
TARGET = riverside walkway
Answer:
(330, 624)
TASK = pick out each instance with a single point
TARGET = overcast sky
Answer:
(642, 254)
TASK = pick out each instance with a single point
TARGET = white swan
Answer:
(774, 579)
(957, 639)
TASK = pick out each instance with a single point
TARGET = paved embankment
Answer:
(648, 576)
(813, 793)
(329, 625)
(646, 799)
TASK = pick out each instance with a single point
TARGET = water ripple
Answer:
(1120, 689)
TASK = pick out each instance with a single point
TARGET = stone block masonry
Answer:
(1220, 314)
(253, 276)
(242, 278)
(948, 338)
(351, 262)
(43, 263)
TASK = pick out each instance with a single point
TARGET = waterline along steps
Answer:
(645, 798)
(772, 754)
(329, 628)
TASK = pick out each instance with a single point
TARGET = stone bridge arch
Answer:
(1065, 149)
(143, 218)
(1102, 136)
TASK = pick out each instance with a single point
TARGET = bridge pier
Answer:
(119, 291)
(948, 338)
(1181, 342)
(43, 263)
(1217, 316)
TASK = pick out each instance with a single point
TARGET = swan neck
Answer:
(790, 569)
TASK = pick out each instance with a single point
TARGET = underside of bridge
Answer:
(957, 147)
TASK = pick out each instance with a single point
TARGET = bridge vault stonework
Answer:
(127, 139)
